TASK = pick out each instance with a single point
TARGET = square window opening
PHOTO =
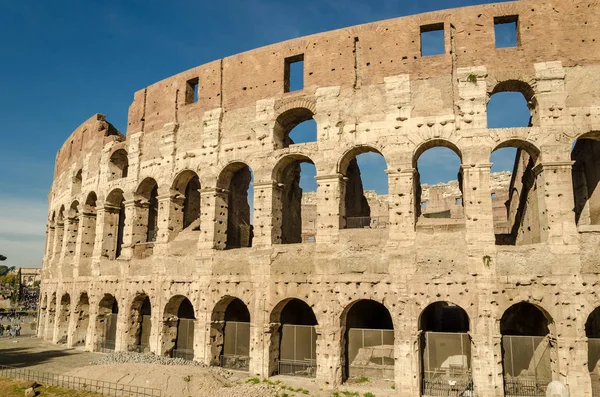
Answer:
(293, 75)
(191, 91)
(424, 205)
(506, 31)
(458, 201)
(493, 196)
(432, 40)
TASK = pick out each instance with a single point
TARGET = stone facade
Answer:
(149, 235)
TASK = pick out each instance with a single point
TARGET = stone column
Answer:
(201, 343)
(267, 214)
(329, 354)
(59, 232)
(330, 203)
(84, 247)
(136, 226)
(72, 327)
(170, 217)
(107, 225)
(402, 217)
(486, 356)
(213, 219)
(477, 202)
(49, 242)
(407, 365)
(555, 193)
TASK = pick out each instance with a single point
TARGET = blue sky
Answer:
(63, 61)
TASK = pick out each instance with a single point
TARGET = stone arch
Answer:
(139, 323)
(146, 203)
(288, 119)
(586, 177)
(293, 342)
(106, 323)
(178, 328)
(430, 144)
(114, 223)
(118, 164)
(235, 225)
(77, 181)
(82, 313)
(72, 230)
(64, 314)
(186, 186)
(517, 86)
(59, 231)
(527, 354)
(87, 227)
(230, 334)
(445, 348)
(592, 332)
(368, 338)
(517, 215)
(288, 225)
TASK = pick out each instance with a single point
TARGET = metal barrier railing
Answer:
(105, 346)
(186, 354)
(241, 363)
(302, 368)
(360, 222)
(447, 388)
(109, 389)
(595, 391)
(525, 387)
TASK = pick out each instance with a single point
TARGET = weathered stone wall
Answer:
(368, 89)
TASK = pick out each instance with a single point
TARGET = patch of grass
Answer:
(393, 387)
(472, 78)
(362, 379)
(368, 394)
(187, 378)
(253, 381)
(350, 394)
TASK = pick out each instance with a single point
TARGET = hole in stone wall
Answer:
(506, 31)
(237, 179)
(118, 165)
(508, 110)
(432, 39)
(586, 175)
(293, 75)
(77, 181)
(191, 91)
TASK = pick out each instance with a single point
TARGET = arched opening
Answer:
(592, 332)
(178, 328)
(526, 350)
(512, 104)
(187, 187)
(146, 202)
(114, 224)
(87, 226)
(368, 342)
(236, 180)
(118, 166)
(365, 203)
(297, 195)
(59, 232)
(77, 181)
(295, 126)
(82, 313)
(586, 175)
(438, 185)
(230, 334)
(106, 323)
(71, 237)
(514, 190)
(140, 324)
(293, 348)
(63, 319)
(445, 349)
(51, 317)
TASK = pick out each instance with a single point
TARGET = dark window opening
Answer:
(586, 176)
(191, 91)
(240, 231)
(293, 75)
(120, 229)
(191, 203)
(152, 215)
(118, 165)
(432, 40)
(506, 31)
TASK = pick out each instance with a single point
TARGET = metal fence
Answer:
(373, 222)
(594, 365)
(447, 388)
(526, 361)
(298, 351)
(109, 389)
(105, 346)
(186, 354)
(236, 346)
(371, 353)
(446, 364)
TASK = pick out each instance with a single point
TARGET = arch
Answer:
(82, 312)
(432, 143)
(526, 350)
(351, 154)
(286, 121)
(592, 332)
(147, 209)
(187, 186)
(87, 224)
(235, 228)
(112, 241)
(293, 339)
(445, 349)
(90, 202)
(586, 177)
(178, 328)
(106, 323)
(290, 225)
(115, 197)
(77, 181)
(514, 85)
(140, 324)
(63, 319)
(118, 164)
(368, 342)
(230, 334)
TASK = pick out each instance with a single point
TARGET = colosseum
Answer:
(153, 247)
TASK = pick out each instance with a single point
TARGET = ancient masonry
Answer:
(150, 245)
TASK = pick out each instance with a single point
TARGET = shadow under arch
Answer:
(585, 155)
(230, 334)
(139, 323)
(63, 319)
(106, 323)
(82, 313)
(186, 187)
(293, 345)
(178, 328)
(368, 340)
